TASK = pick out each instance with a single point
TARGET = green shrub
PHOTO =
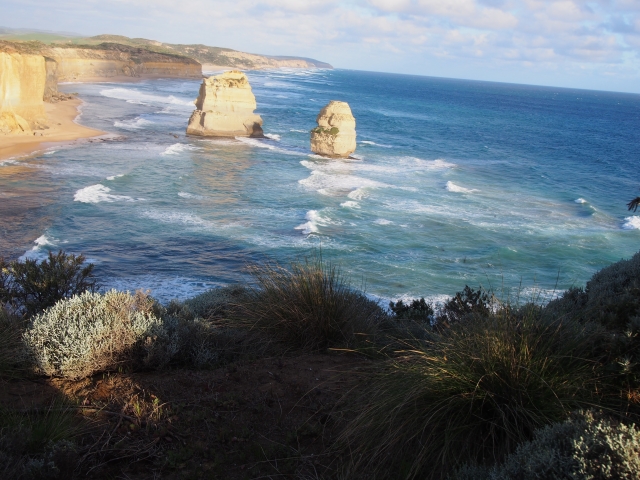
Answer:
(93, 332)
(470, 392)
(417, 310)
(32, 286)
(584, 447)
(310, 305)
(39, 444)
(612, 299)
(329, 131)
(11, 329)
(467, 303)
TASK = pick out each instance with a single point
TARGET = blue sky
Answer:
(569, 43)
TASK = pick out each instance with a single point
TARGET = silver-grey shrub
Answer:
(587, 446)
(94, 332)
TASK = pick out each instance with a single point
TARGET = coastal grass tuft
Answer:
(311, 306)
(468, 393)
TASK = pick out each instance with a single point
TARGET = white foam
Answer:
(368, 142)
(580, 200)
(350, 204)
(273, 136)
(178, 148)
(314, 220)
(38, 252)
(452, 187)
(190, 195)
(382, 221)
(335, 185)
(50, 152)
(254, 142)
(135, 124)
(298, 131)
(113, 177)
(134, 96)
(631, 223)
(358, 194)
(162, 288)
(98, 193)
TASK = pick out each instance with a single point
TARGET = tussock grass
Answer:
(310, 305)
(469, 393)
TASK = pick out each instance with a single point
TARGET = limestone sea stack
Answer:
(224, 108)
(335, 135)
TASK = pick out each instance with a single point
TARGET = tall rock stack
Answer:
(224, 108)
(335, 135)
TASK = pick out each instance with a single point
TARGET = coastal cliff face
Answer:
(22, 86)
(112, 60)
(335, 135)
(224, 108)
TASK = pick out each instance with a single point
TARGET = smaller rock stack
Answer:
(224, 108)
(335, 135)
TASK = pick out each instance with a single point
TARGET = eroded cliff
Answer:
(224, 108)
(22, 86)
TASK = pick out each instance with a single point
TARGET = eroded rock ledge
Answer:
(224, 108)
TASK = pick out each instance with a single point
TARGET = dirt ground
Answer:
(271, 418)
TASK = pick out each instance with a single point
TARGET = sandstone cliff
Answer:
(335, 135)
(224, 108)
(22, 86)
(111, 60)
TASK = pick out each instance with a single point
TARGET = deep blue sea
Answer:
(517, 188)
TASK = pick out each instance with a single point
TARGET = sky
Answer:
(567, 43)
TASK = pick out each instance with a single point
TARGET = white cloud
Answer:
(491, 39)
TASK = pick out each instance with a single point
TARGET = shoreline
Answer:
(63, 130)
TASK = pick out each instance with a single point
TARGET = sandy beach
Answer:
(62, 129)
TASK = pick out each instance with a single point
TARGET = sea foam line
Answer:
(98, 193)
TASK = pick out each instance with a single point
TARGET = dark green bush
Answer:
(417, 310)
(468, 302)
(30, 286)
(612, 299)
(470, 393)
(587, 446)
(310, 305)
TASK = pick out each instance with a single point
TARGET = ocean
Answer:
(521, 189)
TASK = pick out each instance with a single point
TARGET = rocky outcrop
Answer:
(224, 108)
(335, 135)
(22, 85)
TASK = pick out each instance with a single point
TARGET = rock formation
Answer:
(22, 85)
(335, 135)
(224, 108)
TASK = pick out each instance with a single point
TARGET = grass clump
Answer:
(310, 306)
(39, 444)
(586, 446)
(30, 286)
(469, 393)
(94, 332)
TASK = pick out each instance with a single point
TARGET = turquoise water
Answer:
(453, 182)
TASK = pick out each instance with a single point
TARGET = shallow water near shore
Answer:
(518, 188)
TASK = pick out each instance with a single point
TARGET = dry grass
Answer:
(311, 305)
(469, 393)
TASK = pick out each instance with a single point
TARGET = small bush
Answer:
(39, 445)
(467, 303)
(612, 299)
(32, 286)
(470, 392)
(94, 332)
(10, 345)
(310, 305)
(584, 447)
(417, 310)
